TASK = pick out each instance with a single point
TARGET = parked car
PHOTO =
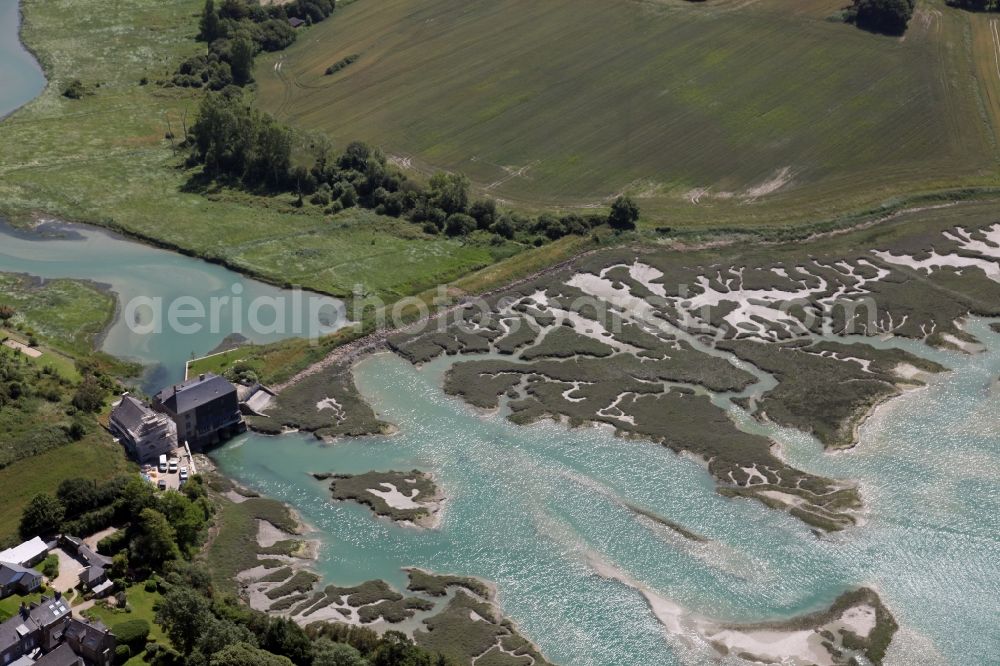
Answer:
(163, 463)
(173, 465)
(162, 484)
(184, 473)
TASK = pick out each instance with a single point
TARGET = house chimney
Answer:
(58, 595)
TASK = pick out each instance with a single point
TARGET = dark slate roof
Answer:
(8, 630)
(61, 656)
(193, 393)
(90, 635)
(92, 557)
(49, 610)
(130, 412)
(11, 573)
(92, 574)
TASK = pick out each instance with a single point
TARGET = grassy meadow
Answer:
(699, 110)
(63, 318)
(69, 313)
(106, 159)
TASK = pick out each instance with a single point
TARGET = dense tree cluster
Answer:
(160, 526)
(235, 141)
(889, 17)
(236, 31)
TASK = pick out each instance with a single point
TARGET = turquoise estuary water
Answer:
(529, 507)
(136, 271)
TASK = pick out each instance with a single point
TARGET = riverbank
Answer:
(19, 65)
(275, 573)
(63, 155)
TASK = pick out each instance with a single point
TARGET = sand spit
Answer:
(818, 639)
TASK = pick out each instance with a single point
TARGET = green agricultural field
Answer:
(718, 113)
(94, 457)
(106, 159)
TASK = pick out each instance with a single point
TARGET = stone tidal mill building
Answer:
(201, 411)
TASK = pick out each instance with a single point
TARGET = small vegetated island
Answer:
(410, 498)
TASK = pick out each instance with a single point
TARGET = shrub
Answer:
(122, 654)
(886, 16)
(50, 566)
(349, 198)
(89, 395)
(74, 90)
(112, 543)
(322, 196)
(459, 224)
(624, 214)
(131, 632)
(342, 63)
(76, 429)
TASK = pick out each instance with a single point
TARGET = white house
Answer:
(28, 554)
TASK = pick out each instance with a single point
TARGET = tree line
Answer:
(239, 145)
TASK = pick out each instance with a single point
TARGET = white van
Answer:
(163, 463)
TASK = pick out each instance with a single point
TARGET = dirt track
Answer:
(376, 340)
